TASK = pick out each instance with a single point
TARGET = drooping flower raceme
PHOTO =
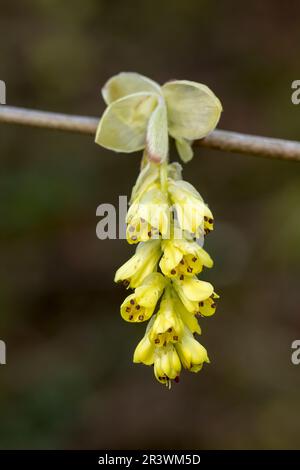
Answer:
(167, 219)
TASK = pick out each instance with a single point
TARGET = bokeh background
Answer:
(69, 381)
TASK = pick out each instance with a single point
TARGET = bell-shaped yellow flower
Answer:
(166, 361)
(167, 364)
(140, 265)
(192, 213)
(148, 176)
(182, 257)
(167, 326)
(207, 307)
(149, 216)
(192, 354)
(141, 114)
(140, 305)
(192, 291)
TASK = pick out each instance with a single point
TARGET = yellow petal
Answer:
(208, 220)
(192, 249)
(147, 177)
(208, 307)
(123, 125)
(196, 290)
(190, 215)
(140, 265)
(167, 326)
(188, 203)
(192, 291)
(188, 318)
(150, 291)
(133, 312)
(192, 354)
(166, 364)
(183, 190)
(170, 259)
(144, 352)
(127, 83)
(153, 208)
(138, 231)
(193, 109)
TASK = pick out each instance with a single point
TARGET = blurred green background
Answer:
(69, 381)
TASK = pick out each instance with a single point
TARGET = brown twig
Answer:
(221, 140)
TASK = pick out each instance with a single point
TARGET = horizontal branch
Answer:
(252, 145)
(54, 121)
(221, 140)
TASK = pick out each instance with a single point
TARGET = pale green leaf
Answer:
(184, 149)
(157, 134)
(193, 109)
(127, 83)
(123, 125)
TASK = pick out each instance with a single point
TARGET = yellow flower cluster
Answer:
(167, 218)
